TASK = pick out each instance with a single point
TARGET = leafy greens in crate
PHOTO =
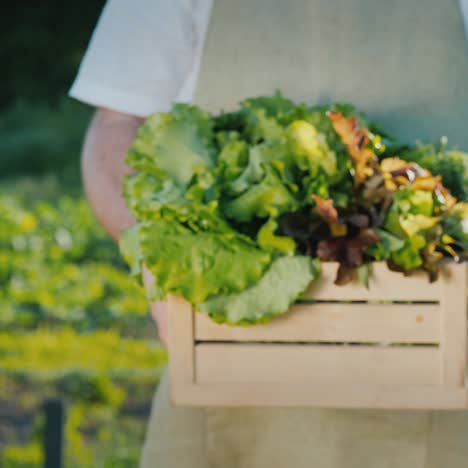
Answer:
(236, 211)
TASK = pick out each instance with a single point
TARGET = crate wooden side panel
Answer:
(323, 396)
(454, 325)
(227, 373)
(385, 285)
(180, 344)
(312, 364)
(391, 323)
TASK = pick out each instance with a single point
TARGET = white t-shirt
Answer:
(145, 54)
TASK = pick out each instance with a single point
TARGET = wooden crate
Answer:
(348, 350)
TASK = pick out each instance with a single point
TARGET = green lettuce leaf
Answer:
(456, 224)
(311, 149)
(282, 284)
(260, 158)
(199, 264)
(268, 240)
(274, 106)
(409, 256)
(144, 193)
(130, 250)
(451, 165)
(388, 244)
(411, 212)
(261, 200)
(176, 144)
(262, 127)
(232, 161)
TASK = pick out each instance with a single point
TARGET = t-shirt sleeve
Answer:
(139, 56)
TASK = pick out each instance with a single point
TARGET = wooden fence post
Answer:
(53, 433)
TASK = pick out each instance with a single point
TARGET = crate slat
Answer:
(180, 346)
(311, 364)
(294, 361)
(384, 285)
(454, 325)
(402, 323)
(321, 396)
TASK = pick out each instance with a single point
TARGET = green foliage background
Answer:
(72, 325)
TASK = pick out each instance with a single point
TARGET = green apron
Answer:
(405, 63)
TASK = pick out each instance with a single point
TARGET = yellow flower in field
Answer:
(96, 290)
(45, 298)
(28, 222)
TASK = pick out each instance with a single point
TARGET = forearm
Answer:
(103, 167)
(109, 136)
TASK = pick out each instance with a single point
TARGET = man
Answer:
(405, 62)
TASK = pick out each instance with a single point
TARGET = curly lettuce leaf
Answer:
(145, 193)
(310, 149)
(261, 200)
(276, 106)
(383, 249)
(261, 127)
(268, 239)
(199, 264)
(409, 256)
(456, 225)
(282, 284)
(411, 212)
(260, 158)
(232, 161)
(357, 140)
(175, 145)
(451, 165)
(130, 250)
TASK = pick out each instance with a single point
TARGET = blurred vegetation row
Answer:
(107, 395)
(72, 325)
(58, 268)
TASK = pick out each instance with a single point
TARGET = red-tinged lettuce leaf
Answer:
(359, 220)
(281, 285)
(344, 275)
(356, 139)
(332, 250)
(375, 196)
(445, 200)
(325, 209)
(350, 253)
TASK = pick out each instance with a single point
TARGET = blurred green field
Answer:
(72, 324)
